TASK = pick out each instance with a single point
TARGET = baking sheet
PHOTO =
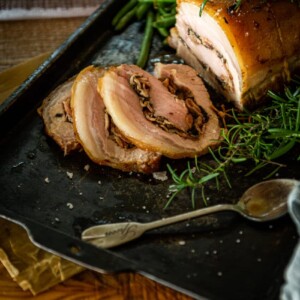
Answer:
(220, 256)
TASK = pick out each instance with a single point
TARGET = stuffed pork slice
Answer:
(56, 114)
(165, 115)
(98, 135)
(240, 53)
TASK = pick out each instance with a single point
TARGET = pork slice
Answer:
(164, 104)
(55, 112)
(141, 123)
(97, 133)
(240, 53)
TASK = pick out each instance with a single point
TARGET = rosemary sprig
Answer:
(202, 6)
(260, 137)
(187, 180)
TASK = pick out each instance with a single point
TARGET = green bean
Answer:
(126, 19)
(123, 11)
(164, 12)
(145, 49)
(163, 31)
(136, 10)
(165, 22)
(142, 10)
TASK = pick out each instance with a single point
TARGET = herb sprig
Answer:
(260, 137)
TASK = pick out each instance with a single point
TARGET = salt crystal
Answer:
(70, 205)
(181, 243)
(86, 167)
(47, 180)
(70, 175)
(162, 176)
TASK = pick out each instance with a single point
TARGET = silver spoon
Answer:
(264, 201)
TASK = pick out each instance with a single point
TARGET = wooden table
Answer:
(89, 285)
(21, 41)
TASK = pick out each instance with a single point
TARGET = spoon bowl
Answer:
(266, 200)
(262, 202)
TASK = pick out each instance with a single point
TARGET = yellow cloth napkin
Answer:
(31, 267)
(11, 78)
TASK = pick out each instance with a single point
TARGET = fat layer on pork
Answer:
(240, 53)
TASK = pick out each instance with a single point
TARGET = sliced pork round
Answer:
(97, 132)
(56, 114)
(240, 53)
(173, 115)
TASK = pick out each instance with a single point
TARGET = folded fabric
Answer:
(31, 267)
(291, 288)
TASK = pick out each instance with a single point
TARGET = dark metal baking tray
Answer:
(220, 256)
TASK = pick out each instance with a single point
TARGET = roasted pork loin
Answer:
(97, 133)
(126, 118)
(241, 53)
(57, 117)
(173, 116)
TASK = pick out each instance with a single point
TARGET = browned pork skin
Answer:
(57, 118)
(173, 116)
(98, 135)
(240, 53)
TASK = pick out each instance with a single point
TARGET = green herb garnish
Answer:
(259, 137)
(202, 7)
